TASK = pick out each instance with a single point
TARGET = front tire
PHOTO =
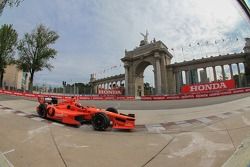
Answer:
(42, 110)
(100, 121)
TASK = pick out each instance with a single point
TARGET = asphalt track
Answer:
(198, 132)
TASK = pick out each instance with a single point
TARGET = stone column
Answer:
(158, 73)
(238, 68)
(231, 71)
(120, 83)
(178, 80)
(245, 64)
(95, 89)
(205, 70)
(245, 77)
(187, 77)
(126, 66)
(214, 72)
(223, 73)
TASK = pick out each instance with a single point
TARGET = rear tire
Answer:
(42, 110)
(100, 121)
(113, 110)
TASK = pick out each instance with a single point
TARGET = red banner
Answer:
(208, 87)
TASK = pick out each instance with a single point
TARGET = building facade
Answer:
(15, 79)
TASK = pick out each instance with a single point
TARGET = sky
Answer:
(95, 33)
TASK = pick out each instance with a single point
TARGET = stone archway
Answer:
(170, 77)
(135, 62)
(139, 77)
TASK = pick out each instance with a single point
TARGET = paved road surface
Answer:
(204, 136)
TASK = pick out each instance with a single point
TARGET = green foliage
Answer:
(35, 51)
(10, 3)
(148, 90)
(8, 40)
(83, 88)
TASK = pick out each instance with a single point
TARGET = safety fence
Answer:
(34, 95)
(198, 95)
(144, 98)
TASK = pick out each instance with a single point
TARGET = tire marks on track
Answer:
(165, 127)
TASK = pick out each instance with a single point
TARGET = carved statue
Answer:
(145, 36)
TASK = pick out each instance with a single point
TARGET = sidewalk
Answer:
(241, 157)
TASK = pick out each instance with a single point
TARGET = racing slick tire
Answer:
(100, 121)
(42, 110)
(111, 109)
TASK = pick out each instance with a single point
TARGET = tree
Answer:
(11, 3)
(8, 40)
(147, 89)
(35, 52)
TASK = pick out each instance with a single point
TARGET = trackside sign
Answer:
(116, 91)
(208, 87)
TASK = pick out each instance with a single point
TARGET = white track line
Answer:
(3, 155)
(155, 128)
(37, 119)
(204, 120)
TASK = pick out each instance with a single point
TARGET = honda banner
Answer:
(208, 87)
(117, 91)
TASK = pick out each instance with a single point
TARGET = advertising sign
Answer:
(208, 87)
(117, 91)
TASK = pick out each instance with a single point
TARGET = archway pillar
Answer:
(164, 84)
(126, 66)
(158, 74)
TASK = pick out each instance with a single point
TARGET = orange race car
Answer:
(71, 112)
